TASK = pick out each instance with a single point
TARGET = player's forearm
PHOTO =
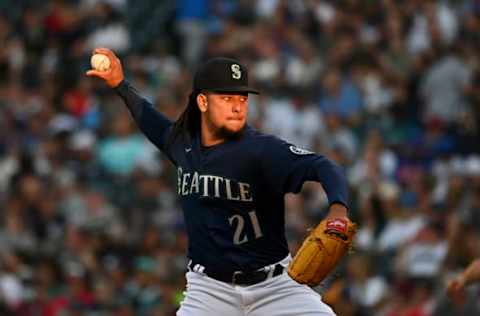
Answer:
(132, 99)
(150, 121)
(337, 210)
(472, 273)
(334, 182)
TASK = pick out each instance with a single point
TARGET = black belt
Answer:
(241, 277)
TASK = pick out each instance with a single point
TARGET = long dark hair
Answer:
(188, 124)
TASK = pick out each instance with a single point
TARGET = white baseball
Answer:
(100, 62)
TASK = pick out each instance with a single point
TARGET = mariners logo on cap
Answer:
(236, 72)
(222, 74)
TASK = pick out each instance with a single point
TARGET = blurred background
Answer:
(390, 89)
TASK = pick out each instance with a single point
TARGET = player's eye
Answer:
(227, 98)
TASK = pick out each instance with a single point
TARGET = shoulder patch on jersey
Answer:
(300, 151)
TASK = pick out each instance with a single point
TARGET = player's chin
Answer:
(234, 126)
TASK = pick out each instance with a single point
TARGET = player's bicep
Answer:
(287, 168)
(155, 126)
(282, 166)
(303, 166)
(157, 129)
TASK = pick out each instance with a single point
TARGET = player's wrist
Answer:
(114, 83)
(122, 85)
(337, 210)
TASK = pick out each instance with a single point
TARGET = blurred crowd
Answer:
(390, 89)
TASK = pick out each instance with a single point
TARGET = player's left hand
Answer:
(322, 250)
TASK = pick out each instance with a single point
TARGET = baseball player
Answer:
(231, 184)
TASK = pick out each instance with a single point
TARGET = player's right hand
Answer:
(114, 75)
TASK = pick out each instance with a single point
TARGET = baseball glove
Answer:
(322, 250)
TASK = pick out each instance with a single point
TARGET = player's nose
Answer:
(237, 107)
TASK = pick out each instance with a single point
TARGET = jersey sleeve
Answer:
(286, 167)
(153, 124)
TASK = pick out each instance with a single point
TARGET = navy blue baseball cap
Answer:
(222, 74)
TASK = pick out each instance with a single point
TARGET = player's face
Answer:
(227, 112)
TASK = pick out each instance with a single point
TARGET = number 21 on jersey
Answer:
(238, 223)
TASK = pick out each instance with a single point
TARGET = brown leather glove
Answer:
(322, 250)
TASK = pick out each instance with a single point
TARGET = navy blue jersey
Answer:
(232, 194)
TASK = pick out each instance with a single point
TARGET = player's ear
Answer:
(202, 102)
